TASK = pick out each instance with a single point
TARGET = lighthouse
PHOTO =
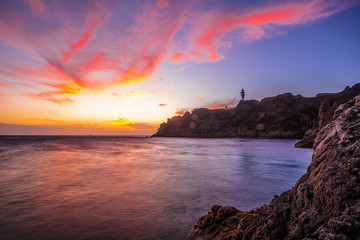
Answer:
(242, 93)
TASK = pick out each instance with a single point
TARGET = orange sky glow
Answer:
(114, 68)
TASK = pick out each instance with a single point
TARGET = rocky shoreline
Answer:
(323, 204)
(282, 116)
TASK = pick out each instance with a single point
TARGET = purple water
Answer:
(56, 187)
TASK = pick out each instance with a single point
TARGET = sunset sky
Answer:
(123, 67)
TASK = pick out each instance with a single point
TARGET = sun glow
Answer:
(78, 67)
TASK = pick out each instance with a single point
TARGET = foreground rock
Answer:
(324, 203)
(308, 139)
(283, 116)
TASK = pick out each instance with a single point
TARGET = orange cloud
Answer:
(86, 47)
(143, 126)
(199, 99)
(124, 122)
(222, 104)
(182, 111)
(72, 62)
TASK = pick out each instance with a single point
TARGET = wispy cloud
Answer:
(93, 53)
(199, 99)
(181, 111)
(162, 3)
(37, 7)
(212, 32)
(94, 45)
(231, 102)
(80, 43)
(49, 97)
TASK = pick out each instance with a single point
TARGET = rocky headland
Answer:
(282, 116)
(323, 204)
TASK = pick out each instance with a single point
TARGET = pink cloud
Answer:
(162, 3)
(196, 54)
(87, 55)
(178, 56)
(210, 34)
(77, 45)
(89, 47)
(37, 6)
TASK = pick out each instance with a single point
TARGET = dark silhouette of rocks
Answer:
(323, 204)
(283, 116)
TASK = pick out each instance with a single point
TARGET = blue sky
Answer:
(110, 67)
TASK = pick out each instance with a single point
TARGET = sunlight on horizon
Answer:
(125, 67)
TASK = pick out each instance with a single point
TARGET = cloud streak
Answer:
(211, 34)
(231, 102)
(124, 122)
(96, 45)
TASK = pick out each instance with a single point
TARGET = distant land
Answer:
(282, 116)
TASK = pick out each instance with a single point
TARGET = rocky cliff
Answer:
(283, 116)
(323, 204)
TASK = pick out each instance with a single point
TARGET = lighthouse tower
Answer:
(242, 93)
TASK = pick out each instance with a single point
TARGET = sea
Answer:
(105, 187)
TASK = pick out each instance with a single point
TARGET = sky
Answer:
(123, 67)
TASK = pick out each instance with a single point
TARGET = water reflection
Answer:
(134, 188)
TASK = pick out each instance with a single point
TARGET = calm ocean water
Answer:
(134, 188)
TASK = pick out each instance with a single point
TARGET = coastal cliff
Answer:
(323, 204)
(282, 116)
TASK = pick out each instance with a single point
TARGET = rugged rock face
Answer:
(308, 139)
(283, 116)
(324, 203)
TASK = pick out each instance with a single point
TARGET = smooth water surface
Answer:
(56, 187)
